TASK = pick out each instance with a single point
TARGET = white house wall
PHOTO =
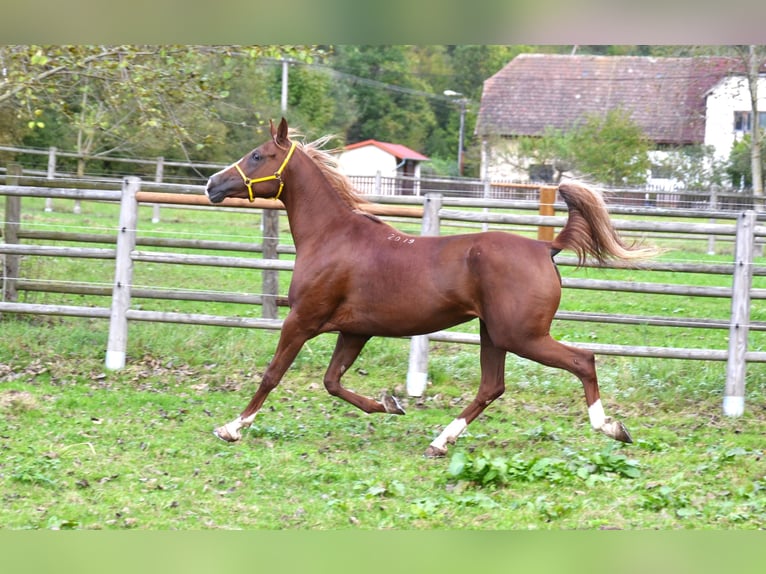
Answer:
(368, 160)
(500, 161)
(729, 96)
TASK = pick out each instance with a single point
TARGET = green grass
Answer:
(88, 449)
(85, 448)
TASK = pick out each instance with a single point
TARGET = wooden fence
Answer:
(436, 211)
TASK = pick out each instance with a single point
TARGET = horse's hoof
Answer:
(434, 452)
(226, 436)
(391, 404)
(617, 431)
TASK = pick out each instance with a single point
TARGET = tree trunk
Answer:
(755, 130)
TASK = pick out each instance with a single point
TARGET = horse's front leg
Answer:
(291, 341)
(347, 349)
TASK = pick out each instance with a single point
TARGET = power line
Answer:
(354, 79)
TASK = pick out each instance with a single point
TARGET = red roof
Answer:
(665, 96)
(397, 150)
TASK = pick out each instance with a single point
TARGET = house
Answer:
(381, 159)
(394, 167)
(676, 101)
(728, 112)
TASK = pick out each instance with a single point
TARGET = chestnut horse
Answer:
(356, 275)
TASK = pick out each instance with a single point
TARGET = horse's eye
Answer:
(256, 156)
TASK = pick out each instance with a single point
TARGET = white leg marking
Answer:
(449, 434)
(234, 427)
(596, 414)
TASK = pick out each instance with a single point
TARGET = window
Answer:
(662, 171)
(742, 121)
(541, 172)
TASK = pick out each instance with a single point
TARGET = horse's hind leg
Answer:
(491, 387)
(581, 363)
(347, 349)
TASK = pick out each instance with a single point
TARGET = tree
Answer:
(555, 148)
(755, 57)
(695, 166)
(392, 103)
(126, 98)
(611, 149)
(739, 167)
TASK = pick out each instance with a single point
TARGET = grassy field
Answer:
(85, 448)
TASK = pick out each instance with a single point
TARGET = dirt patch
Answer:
(17, 401)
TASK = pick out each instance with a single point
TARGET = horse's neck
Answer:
(313, 206)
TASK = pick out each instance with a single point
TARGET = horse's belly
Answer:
(401, 316)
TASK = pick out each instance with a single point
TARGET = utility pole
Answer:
(462, 102)
(285, 63)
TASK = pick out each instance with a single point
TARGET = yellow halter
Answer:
(277, 176)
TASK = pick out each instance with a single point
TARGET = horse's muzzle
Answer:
(216, 194)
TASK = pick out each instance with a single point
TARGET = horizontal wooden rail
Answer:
(440, 336)
(193, 197)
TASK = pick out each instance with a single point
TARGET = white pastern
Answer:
(235, 427)
(596, 414)
(449, 434)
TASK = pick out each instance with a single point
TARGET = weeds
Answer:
(487, 469)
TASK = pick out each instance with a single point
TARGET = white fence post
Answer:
(158, 179)
(713, 205)
(417, 374)
(51, 175)
(734, 393)
(123, 275)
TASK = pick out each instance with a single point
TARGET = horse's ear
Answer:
(281, 135)
(273, 130)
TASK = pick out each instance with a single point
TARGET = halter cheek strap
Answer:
(276, 176)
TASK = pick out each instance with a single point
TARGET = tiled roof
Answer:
(397, 150)
(665, 96)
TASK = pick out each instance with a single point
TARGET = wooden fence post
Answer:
(123, 275)
(547, 199)
(417, 374)
(270, 277)
(734, 393)
(51, 175)
(11, 235)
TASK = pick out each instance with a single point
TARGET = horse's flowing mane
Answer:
(328, 165)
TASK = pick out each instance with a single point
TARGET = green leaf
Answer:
(457, 464)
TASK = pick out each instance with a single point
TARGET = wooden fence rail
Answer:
(742, 227)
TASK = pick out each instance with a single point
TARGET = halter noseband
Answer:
(277, 176)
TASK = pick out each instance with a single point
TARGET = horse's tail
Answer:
(589, 231)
